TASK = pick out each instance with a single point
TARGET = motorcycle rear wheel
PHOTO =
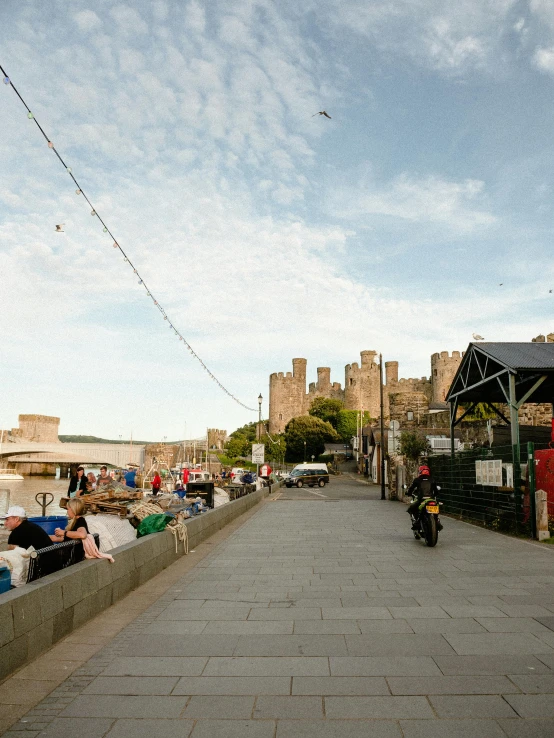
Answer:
(430, 531)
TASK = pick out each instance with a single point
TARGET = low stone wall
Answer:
(34, 617)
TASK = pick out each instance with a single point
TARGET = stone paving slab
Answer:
(307, 625)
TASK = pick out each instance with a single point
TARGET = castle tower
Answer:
(287, 396)
(443, 368)
(361, 385)
(323, 379)
(39, 428)
(391, 371)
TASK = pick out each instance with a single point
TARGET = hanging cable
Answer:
(116, 245)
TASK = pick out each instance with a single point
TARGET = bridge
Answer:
(115, 454)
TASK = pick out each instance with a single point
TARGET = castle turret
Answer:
(443, 368)
(361, 385)
(323, 378)
(391, 371)
(287, 396)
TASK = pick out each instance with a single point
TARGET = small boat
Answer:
(8, 475)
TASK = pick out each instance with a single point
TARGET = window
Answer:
(410, 415)
(280, 416)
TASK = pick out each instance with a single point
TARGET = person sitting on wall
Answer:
(23, 532)
(78, 483)
(77, 528)
(103, 479)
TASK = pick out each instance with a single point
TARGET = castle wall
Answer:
(287, 396)
(43, 428)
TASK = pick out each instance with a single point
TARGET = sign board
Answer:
(489, 473)
(258, 453)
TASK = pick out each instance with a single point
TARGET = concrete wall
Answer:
(34, 617)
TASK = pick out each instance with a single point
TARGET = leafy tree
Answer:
(275, 447)
(314, 431)
(348, 422)
(326, 409)
(413, 444)
(479, 412)
(247, 431)
(238, 446)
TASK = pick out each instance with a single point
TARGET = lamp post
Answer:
(260, 400)
(304, 451)
(382, 402)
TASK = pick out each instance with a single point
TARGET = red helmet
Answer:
(424, 470)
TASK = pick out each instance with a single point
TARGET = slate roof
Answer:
(520, 355)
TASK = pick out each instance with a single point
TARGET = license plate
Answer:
(432, 508)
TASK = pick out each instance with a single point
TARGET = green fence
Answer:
(493, 487)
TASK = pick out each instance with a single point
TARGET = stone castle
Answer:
(288, 397)
(407, 400)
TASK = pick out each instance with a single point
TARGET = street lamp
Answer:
(259, 433)
(304, 451)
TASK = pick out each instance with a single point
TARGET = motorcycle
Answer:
(428, 524)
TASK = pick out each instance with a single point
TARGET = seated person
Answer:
(77, 528)
(24, 533)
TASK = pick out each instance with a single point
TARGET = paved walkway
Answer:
(325, 618)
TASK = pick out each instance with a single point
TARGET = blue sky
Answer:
(266, 233)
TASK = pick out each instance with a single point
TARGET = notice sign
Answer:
(258, 453)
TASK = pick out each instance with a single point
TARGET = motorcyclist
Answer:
(423, 486)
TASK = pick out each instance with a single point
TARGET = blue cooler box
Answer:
(50, 522)
(5, 578)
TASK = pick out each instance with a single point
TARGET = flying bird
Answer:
(322, 112)
(477, 337)
(59, 228)
(550, 291)
(501, 283)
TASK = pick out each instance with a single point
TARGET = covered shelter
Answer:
(502, 373)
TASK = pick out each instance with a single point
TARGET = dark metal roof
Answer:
(483, 374)
(520, 355)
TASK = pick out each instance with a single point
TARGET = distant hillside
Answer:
(94, 439)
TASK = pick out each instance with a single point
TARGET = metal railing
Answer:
(58, 556)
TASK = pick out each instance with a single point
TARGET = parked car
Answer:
(236, 474)
(308, 475)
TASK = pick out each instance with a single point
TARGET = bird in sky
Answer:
(501, 283)
(322, 112)
(59, 228)
(477, 337)
(550, 291)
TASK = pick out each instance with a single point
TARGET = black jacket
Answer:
(74, 484)
(423, 486)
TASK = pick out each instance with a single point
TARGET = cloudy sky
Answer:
(264, 232)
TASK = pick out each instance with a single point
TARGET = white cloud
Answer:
(544, 60)
(431, 199)
(128, 20)
(87, 20)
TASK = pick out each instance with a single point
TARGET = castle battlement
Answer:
(288, 397)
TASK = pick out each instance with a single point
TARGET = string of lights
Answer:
(79, 191)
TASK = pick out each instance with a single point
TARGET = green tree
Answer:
(275, 447)
(247, 431)
(348, 422)
(238, 446)
(326, 409)
(314, 431)
(413, 444)
(479, 412)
